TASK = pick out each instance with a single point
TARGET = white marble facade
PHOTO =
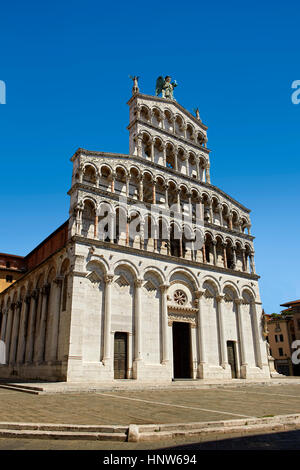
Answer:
(142, 307)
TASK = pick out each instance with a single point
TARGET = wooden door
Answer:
(120, 356)
(232, 358)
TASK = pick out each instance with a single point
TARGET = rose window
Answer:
(180, 297)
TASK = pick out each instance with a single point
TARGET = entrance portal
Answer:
(120, 356)
(232, 358)
(182, 350)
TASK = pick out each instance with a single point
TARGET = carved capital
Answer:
(220, 298)
(199, 293)
(164, 287)
(138, 283)
(108, 278)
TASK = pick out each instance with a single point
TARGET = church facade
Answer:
(151, 278)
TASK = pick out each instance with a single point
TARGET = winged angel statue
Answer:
(165, 87)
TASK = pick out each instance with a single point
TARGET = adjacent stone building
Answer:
(11, 269)
(125, 291)
(283, 330)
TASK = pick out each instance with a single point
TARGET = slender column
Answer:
(141, 190)
(180, 247)
(220, 209)
(230, 221)
(198, 168)
(107, 319)
(178, 200)
(112, 182)
(173, 124)
(211, 213)
(244, 260)
(164, 323)
(252, 265)
(223, 349)
(225, 256)
(200, 329)
(256, 334)
(137, 321)
(9, 329)
(155, 239)
(214, 243)
(164, 155)
(238, 303)
(176, 161)
(189, 195)
(142, 235)
(203, 253)
(207, 173)
(31, 326)
(154, 192)
(15, 333)
(96, 226)
(139, 146)
(127, 185)
(127, 231)
(3, 324)
(152, 150)
(40, 342)
(23, 330)
(234, 257)
(166, 196)
(55, 303)
(112, 227)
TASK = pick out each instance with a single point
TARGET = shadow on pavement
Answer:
(287, 440)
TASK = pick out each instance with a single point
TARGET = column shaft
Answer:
(164, 313)
(107, 320)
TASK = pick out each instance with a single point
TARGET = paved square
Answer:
(150, 406)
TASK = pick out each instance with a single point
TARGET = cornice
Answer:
(159, 256)
(169, 134)
(166, 101)
(172, 172)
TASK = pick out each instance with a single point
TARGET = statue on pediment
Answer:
(165, 87)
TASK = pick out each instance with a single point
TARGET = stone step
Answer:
(109, 429)
(31, 434)
(18, 388)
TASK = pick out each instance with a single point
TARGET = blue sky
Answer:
(66, 67)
